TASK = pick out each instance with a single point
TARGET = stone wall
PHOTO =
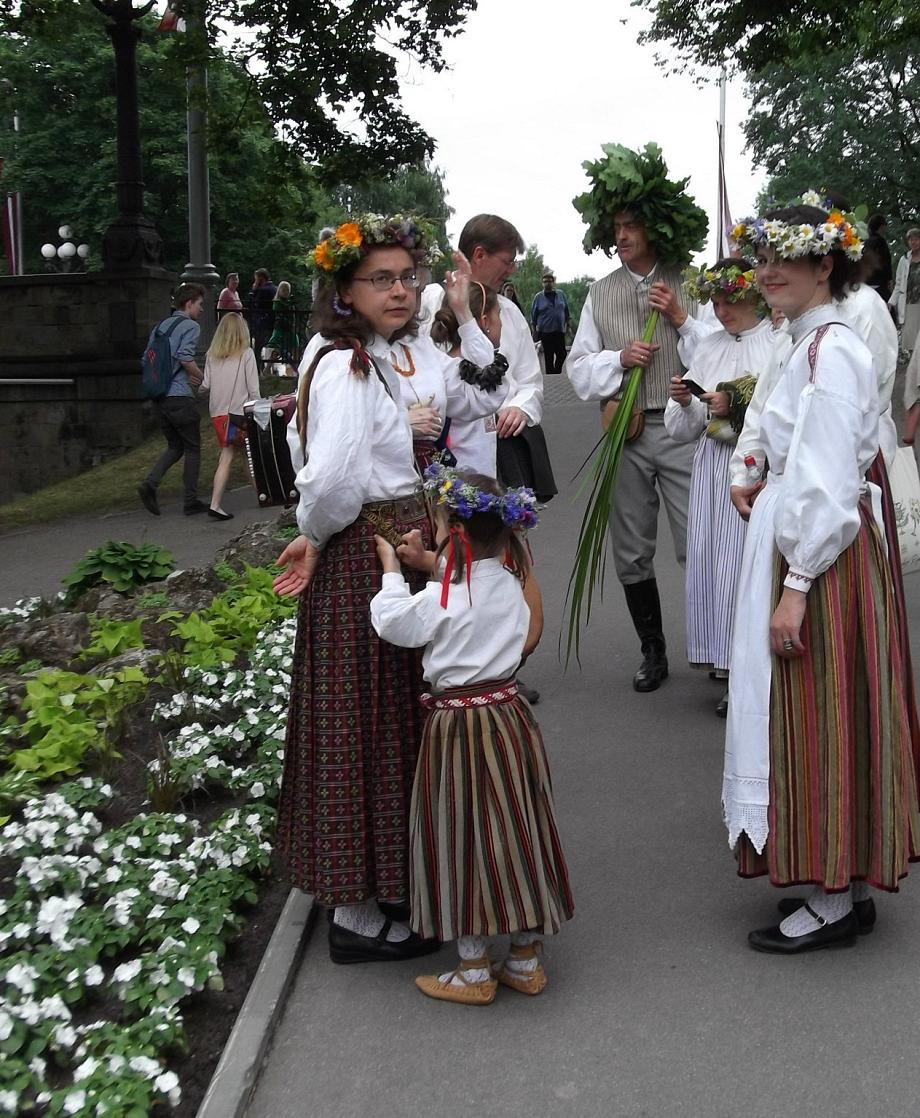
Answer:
(70, 348)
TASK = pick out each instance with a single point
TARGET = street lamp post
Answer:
(131, 242)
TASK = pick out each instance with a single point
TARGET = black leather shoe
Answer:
(398, 912)
(198, 506)
(148, 495)
(864, 910)
(722, 707)
(842, 933)
(349, 947)
(219, 514)
(652, 672)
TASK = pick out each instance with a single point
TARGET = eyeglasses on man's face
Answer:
(383, 281)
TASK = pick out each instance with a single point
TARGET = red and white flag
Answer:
(171, 20)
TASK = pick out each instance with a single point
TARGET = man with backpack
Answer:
(170, 378)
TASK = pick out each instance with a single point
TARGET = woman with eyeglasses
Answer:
(355, 719)
(820, 788)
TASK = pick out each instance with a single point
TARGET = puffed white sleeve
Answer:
(685, 425)
(402, 618)
(334, 480)
(690, 333)
(817, 514)
(749, 443)
(525, 377)
(465, 401)
(595, 372)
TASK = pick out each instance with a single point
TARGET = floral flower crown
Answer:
(516, 507)
(354, 239)
(844, 231)
(735, 282)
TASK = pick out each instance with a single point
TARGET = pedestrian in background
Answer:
(261, 309)
(906, 295)
(178, 410)
(878, 271)
(284, 339)
(231, 377)
(510, 293)
(229, 299)
(549, 320)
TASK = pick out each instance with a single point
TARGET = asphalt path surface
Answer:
(656, 1006)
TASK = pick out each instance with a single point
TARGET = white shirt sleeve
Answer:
(334, 481)
(402, 618)
(525, 378)
(595, 372)
(817, 514)
(685, 425)
(466, 402)
(690, 334)
(749, 441)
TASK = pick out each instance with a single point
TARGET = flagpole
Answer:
(720, 224)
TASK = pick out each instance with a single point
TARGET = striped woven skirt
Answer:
(843, 790)
(354, 728)
(486, 853)
(715, 544)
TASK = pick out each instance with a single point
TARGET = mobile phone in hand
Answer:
(693, 386)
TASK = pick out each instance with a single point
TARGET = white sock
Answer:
(860, 891)
(469, 947)
(366, 919)
(522, 966)
(832, 906)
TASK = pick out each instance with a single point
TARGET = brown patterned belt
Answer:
(385, 514)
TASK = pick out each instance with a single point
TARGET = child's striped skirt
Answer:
(486, 858)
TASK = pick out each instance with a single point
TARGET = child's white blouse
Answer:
(465, 643)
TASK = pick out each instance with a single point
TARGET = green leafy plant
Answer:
(153, 599)
(28, 666)
(10, 658)
(109, 638)
(638, 182)
(289, 532)
(122, 565)
(224, 571)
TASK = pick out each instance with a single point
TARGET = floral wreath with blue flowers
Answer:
(840, 231)
(354, 239)
(517, 508)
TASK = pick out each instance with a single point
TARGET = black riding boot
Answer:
(645, 610)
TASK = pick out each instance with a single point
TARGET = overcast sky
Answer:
(535, 88)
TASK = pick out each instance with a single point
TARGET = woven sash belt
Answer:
(480, 695)
(384, 515)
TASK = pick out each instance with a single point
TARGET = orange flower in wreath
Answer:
(349, 234)
(323, 256)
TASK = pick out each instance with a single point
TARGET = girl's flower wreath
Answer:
(516, 507)
(736, 282)
(354, 239)
(844, 231)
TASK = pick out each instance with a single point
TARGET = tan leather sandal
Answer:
(467, 993)
(532, 982)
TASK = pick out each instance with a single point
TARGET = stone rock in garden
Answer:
(189, 590)
(258, 545)
(12, 690)
(108, 603)
(147, 659)
(56, 641)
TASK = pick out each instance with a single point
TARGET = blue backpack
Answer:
(158, 364)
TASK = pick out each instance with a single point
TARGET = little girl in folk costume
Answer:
(486, 857)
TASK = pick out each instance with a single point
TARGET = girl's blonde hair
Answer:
(231, 337)
(283, 290)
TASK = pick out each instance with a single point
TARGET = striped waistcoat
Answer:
(621, 309)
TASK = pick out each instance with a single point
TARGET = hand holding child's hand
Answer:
(387, 555)
(412, 552)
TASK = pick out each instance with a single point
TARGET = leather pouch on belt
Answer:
(609, 408)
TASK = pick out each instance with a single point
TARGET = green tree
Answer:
(528, 278)
(859, 136)
(576, 291)
(263, 199)
(326, 71)
(750, 35)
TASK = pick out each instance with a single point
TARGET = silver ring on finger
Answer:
(787, 644)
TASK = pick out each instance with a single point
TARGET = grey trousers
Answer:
(652, 466)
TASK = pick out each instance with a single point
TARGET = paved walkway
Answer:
(656, 1006)
(34, 560)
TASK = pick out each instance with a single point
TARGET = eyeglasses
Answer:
(383, 281)
(509, 263)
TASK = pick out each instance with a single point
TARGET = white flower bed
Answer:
(141, 912)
